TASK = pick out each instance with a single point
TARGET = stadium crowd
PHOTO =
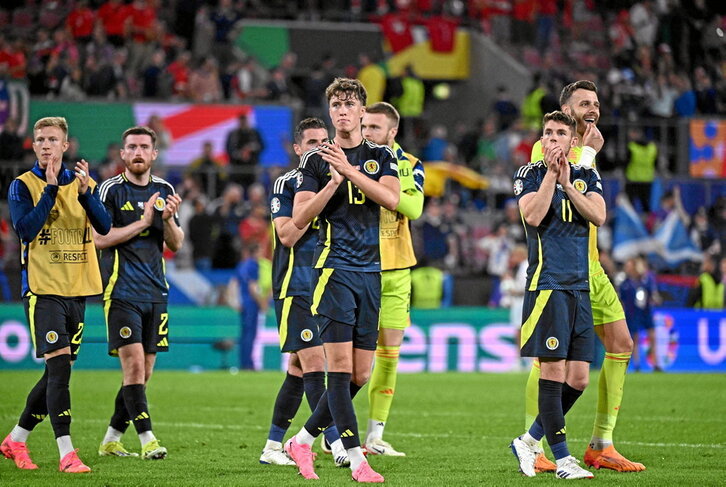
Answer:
(650, 59)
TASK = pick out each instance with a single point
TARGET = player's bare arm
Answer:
(534, 206)
(386, 192)
(173, 234)
(118, 235)
(308, 204)
(287, 232)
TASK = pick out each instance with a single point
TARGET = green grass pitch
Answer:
(455, 428)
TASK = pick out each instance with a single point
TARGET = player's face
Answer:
(557, 134)
(345, 112)
(138, 153)
(311, 138)
(49, 143)
(584, 106)
(377, 128)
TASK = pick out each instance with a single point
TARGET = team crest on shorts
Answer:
(306, 335)
(370, 166)
(580, 185)
(518, 187)
(552, 343)
(275, 205)
(125, 332)
(51, 337)
(159, 204)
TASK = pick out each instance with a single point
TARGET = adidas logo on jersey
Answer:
(127, 206)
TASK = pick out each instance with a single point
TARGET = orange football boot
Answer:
(610, 458)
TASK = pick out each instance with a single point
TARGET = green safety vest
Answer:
(712, 293)
(641, 168)
(411, 102)
(427, 284)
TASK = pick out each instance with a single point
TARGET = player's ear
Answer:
(573, 142)
(566, 109)
(297, 149)
(394, 132)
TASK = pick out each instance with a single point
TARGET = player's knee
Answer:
(360, 378)
(135, 373)
(579, 382)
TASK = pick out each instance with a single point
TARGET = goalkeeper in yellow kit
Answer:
(580, 100)
(380, 125)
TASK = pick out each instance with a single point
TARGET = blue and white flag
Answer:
(630, 237)
(674, 243)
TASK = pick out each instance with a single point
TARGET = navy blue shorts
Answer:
(640, 321)
(295, 324)
(350, 299)
(135, 322)
(55, 322)
(557, 324)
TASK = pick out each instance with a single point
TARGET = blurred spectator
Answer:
(661, 97)
(204, 83)
(314, 93)
(703, 233)
(163, 141)
(142, 29)
(278, 87)
(513, 220)
(498, 246)
(669, 202)
(644, 22)
(224, 20)
(640, 171)
(156, 82)
(639, 293)
(706, 94)
(209, 171)
(71, 88)
(709, 291)
(11, 143)
(244, 145)
(685, 104)
(111, 164)
(80, 22)
(435, 148)
(512, 287)
(504, 108)
(179, 71)
(12, 56)
(250, 80)
(201, 235)
(373, 78)
(255, 292)
(255, 228)
(227, 212)
(427, 287)
(410, 105)
(114, 16)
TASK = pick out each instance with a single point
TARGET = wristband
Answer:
(587, 157)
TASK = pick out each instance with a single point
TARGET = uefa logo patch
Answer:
(518, 187)
(552, 343)
(370, 166)
(275, 205)
(306, 335)
(125, 332)
(580, 185)
(51, 337)
(299, 179)
(159, 204)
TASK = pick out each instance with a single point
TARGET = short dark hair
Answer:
(139, 130)
(563, 118)
(568, 90)
(348, 87)
(308, 123)
(386, 109)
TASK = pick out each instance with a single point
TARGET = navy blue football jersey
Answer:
(292, 268)
(558, 247)
(134, 270)
(349, 224)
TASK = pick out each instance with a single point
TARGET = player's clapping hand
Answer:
(51, 170)
(564, 175)
(551, 154)
(82, 176)
(334, 155)
(148, 217)
(173, 202)
(592, 137)
(335, 175)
